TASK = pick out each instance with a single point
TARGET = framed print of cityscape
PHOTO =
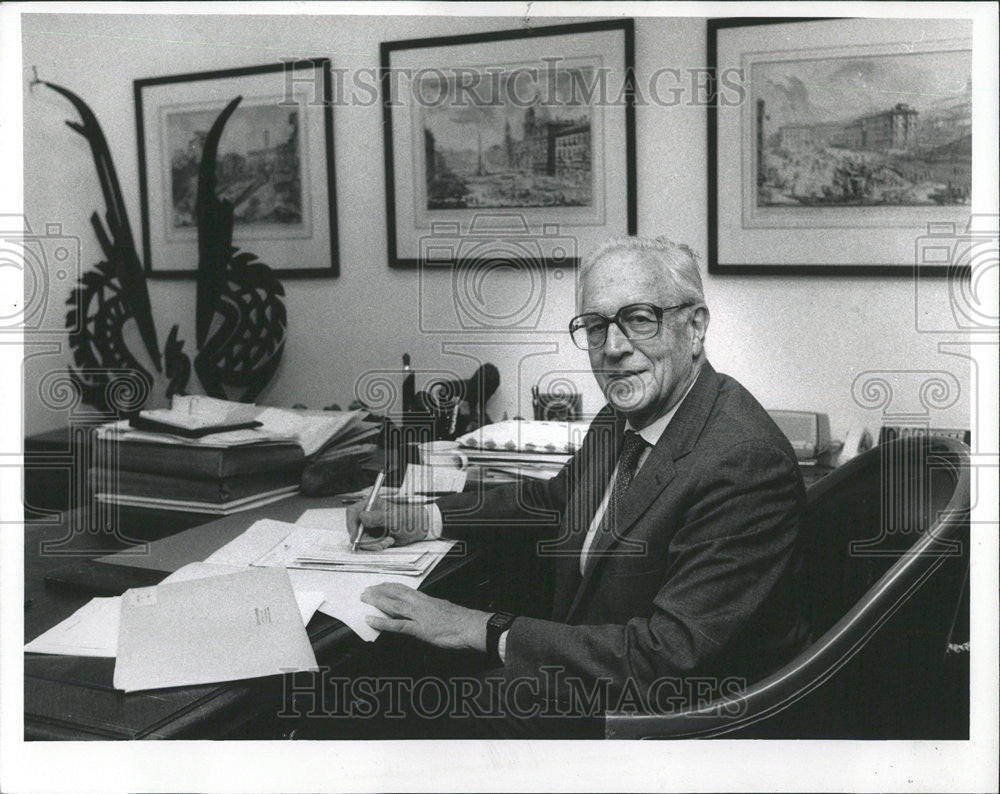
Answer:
(512, 145)
(834, 143)
(275, 163)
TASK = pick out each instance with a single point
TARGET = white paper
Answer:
(221, 628)
(93, 629)
(327, 517)
(211, 409)
(431, 479)
(90, 631)
(343, 596)
(344, 588)
(197, 411)
(311, 430)
(308, 601)
(260, 537)
(330, 549)
(341, 589)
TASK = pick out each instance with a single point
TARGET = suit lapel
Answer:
(656, 474)
(583, 503)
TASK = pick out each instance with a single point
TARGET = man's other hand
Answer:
(432, 620)
(387, 524)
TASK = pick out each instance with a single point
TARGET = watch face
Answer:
(500, 619)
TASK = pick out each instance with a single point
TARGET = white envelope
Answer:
(202, 631)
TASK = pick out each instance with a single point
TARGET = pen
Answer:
(368, 506)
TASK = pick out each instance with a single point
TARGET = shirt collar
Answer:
(651, 433)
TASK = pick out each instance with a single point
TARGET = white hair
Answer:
(677, 263)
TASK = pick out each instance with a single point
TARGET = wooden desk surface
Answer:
(72, 697)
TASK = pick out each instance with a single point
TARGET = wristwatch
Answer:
(498, 623)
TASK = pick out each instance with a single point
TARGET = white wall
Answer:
(796, 342)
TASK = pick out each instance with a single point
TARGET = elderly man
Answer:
(674, 529)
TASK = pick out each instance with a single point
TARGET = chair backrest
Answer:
(886, 557)
(863, 517)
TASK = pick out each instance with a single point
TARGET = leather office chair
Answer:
(887, 539)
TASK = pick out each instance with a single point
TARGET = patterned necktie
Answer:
(632, 450)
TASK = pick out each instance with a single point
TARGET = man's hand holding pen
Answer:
(379, 524)
(387, 524)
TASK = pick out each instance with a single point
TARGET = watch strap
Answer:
(498, 623)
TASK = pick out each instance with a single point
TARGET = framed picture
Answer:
(834, 144)
(515, 146)
(275, 162)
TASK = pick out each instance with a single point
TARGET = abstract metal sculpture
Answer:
(114, 292)
(240, 318)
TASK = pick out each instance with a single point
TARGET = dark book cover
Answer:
(180, 460)
(193, 489)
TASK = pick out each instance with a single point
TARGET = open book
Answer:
(311, 430)
(195, 415)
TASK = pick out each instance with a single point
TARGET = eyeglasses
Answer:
(636, 321)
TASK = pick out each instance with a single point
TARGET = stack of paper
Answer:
(536, 465)
(537, 450)
(330, 550)
(519, 435)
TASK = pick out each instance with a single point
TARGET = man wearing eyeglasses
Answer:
(674, 530)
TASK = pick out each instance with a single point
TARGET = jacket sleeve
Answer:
(730, 549)
(534, 504)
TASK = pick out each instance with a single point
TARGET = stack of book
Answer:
(211, 456)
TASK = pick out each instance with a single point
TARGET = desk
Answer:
(72, 698)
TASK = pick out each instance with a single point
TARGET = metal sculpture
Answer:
(114, 292)
(240, 319)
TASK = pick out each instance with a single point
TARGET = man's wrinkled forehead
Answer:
(634, 273)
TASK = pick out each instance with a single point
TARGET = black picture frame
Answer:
(906, 254)
(313, 251)
(523, 219)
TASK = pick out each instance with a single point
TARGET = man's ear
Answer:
(700, 318)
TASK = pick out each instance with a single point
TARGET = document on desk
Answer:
(308, 601)
(341, 588)
(344, 588)
(90, 631)
(93, 629)
(203, 631)
(330, 550)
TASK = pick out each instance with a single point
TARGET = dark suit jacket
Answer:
(698, 575)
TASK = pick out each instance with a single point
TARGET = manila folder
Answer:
(203, 631)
